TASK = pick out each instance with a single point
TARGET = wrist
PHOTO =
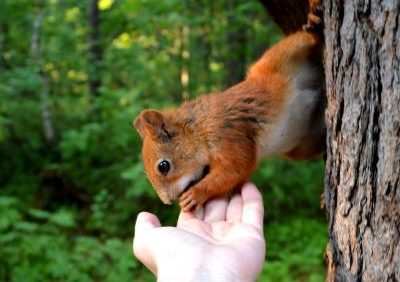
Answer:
(222, 270)
(220, 275)
(184, 273)
(181, 266)
(197, 271)
(194, 268)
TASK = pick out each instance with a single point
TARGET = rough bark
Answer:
(363, 139)
(363, 133)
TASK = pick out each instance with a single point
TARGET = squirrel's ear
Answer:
(149, 121)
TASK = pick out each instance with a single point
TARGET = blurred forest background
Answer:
(73, 76)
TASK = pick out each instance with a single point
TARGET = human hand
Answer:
(222, 242)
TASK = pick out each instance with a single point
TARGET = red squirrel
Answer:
(206, 147)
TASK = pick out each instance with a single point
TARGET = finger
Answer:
(199, 212)
(215, 210)
(235, 209)
(253, 209)
(185, 217)
(141, 242)
(146, 220)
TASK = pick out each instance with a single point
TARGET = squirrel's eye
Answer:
(164, 167)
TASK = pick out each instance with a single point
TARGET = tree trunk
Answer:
(95, 52)
(362, 62)
(48, 128)
(235, 64)
(363, 139)
(185, 54)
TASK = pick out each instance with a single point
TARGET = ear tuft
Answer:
(149, 121)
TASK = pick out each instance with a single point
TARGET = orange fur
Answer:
(217, 140)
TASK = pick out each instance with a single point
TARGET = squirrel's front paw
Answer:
(314, 17)
(192, 198)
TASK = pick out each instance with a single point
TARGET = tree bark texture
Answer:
(362, 178)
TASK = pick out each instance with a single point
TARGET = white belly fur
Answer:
(294, 122)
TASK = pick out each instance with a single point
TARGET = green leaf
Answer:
(63, 218)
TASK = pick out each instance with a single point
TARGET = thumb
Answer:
(145, 222)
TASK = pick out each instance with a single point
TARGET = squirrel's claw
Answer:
(186, 201)
(191, 199)
(314, 17)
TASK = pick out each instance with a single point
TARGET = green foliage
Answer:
(293, 187)
(295, 249)
(45, 246)
(67, 205)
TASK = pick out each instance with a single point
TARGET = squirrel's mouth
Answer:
(196, 179)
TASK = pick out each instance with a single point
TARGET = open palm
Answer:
(222, 242)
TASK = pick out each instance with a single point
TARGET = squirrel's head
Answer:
(173, 159)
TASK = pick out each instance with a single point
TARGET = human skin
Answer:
(224, 241)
